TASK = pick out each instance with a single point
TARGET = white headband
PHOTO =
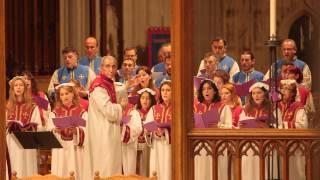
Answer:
(64, 85)
(259, 85)
(288, 81)
(165, 81)
(152, 92)
(16, 78)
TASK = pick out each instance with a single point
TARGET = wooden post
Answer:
(3, 92)
(181, 38)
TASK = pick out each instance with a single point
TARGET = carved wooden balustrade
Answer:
(262, 143)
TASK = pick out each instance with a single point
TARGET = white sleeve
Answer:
(91, 77)
(280, 122)
(100, 100)
(301, 120)
(309, 107)
(50, 125)
(54, 80)
(307, 80)
(234, 70)
(36, 118)
(266, 76)
(149, 117)
(76, 137)
(225, 118)
(134, 125)
(201, 66)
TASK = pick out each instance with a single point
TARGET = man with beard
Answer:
(247, 73)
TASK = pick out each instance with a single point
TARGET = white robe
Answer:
(203, 162)
(129, 149)
(70, 157)
(160, 153)
(23, 161)
(250, 164)
(103, 143)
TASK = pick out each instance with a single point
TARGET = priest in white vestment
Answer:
(103, 143)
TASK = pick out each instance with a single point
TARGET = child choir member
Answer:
(68, 158)
(21, 115)
(160, 153)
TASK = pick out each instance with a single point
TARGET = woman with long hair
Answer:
(68, 158)
(39, 97)
(135, 147)
(160, 153)
(21, 115)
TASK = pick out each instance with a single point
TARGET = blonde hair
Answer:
(75, 100)
(234, 97)
(12, 100)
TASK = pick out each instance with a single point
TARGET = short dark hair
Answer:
(247, 51)
(129, 49)
(222, 74)
(70, 49)
(216, 97)
(217, 39)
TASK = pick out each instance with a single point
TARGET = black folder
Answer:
(37, 140)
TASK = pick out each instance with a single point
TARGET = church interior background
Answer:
(37, 30)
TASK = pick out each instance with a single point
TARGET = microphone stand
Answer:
(273, 43)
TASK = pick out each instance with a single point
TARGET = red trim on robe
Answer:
(21, 113)
(163, 114)
(304, 94)
(63, 111)
(236, 111)
(81, 137)
(105, 83)
(126, 136)
(289, 112)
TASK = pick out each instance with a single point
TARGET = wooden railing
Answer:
(262, 142)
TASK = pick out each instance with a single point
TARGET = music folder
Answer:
(37, 140)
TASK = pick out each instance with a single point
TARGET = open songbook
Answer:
(154, 126)
(69, 121)
(243, 89)
(254, 123)
(207, 119)
(40, 102)
(197, 81)
(18, 126)
(133, 99)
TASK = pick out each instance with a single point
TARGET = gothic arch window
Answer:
(305, 33)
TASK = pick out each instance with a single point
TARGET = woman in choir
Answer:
(220, 78)
(21, 115)
(68, 158)
(258, 104)
(257, 107)
(38, 97)
(304, 95)
(160, 153)
(144, 77)
(291, 114)
(135, 147)
(208, 98)
(232, 100)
